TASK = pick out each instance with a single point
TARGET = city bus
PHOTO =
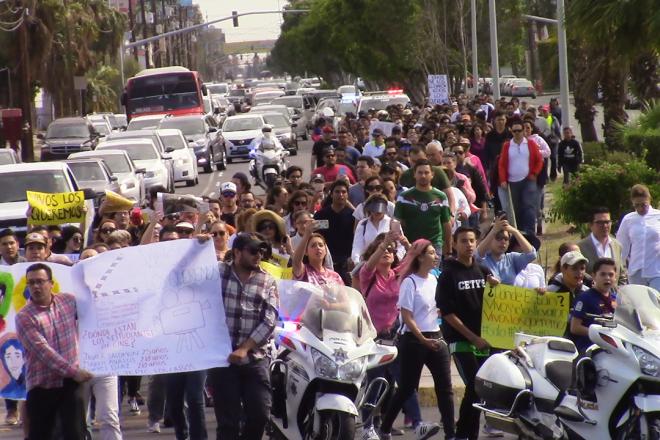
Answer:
(164, 90)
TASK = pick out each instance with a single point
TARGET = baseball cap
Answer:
(572, 258)
(185, 225)
(377, 132)
(328, 129)
(317, 178)
(35, 237)
(228, 187)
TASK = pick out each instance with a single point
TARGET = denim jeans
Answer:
(637, 278)
(525, 204)
(188, 386)
(241, 390)
(414, 356)
(104, 389)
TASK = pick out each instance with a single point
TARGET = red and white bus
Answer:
(165, 90)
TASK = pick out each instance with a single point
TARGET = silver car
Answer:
(93, 173)
(145, 155)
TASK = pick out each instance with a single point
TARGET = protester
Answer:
(243, 388)
(569, 155)
(376, 222)
(218, 231)
(331, 170)
(70, 242)
(373, 185)
(47, 329)
(375, 147)
(322, 144)
(9, 248)
(228, 193)
(104, 230)
(601, 244)
(309, 258)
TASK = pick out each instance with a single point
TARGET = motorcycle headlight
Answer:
(352, 370)
(323, 365)
(648, 363)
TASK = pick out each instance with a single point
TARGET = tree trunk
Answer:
(585, 72)
(614, 100)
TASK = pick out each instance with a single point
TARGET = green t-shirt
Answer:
(422, 214)
(440, 180)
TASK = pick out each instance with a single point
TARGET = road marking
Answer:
(208, 186)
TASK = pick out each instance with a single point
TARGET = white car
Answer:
(145, 122)
(129, 176)
(185, 161)
(145, 155)
(8, 156)
(239, 132)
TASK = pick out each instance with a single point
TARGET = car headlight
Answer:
(326, 367)
(648, 363)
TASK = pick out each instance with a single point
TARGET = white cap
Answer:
(228, 187)
(572, 258)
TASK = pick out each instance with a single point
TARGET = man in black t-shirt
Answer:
(339, 235)
(320, 145)
(459, 297)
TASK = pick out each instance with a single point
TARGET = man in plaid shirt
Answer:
(251, 301)
(47, 328)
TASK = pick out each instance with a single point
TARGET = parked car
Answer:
(129, 177)
(93, 173)
(265, 97)
(283, 130)
(117, 121)
(8, 156)
(217, 88)
(183, 154)
(303, 109)
(145, 155)
(16, 179)
(202, 133)
(67, 135)
(239, 131)
(522, 87)
(103, 128)
(146, 122)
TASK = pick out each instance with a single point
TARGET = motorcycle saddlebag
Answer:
(499, 380)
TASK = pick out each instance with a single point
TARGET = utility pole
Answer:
(166, 41)
(475, 66)
(563, 64)
(27, 148)
(494, 55)
(131, 22)
(147, 64)
(155, 32)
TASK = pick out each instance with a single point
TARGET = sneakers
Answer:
(12, 418)
(491, 432)
(369, 434)
(426, 430)
(134, 407)
(153, 427)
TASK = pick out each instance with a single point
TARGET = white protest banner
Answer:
(175, 203)
(386, 127)
(152, 309)
(141, 310)
(438, 89)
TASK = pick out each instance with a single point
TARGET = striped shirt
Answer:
(50, 338)
(250, 308)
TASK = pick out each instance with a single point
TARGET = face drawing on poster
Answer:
(182, 315)
(13, 368)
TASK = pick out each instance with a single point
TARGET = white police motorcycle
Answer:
(324, 349)
(268, 159)
(542, 389)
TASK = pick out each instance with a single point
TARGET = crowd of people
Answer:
(419, 221)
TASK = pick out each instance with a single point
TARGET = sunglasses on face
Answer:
(264, 226)
(256, 247)
(517, 130)
(389, 249)
(107, 230)
(459, 153)
(172, 217)
(300, 203)
(229, 194)
(374, 188)
(183, 231)
(217, 234)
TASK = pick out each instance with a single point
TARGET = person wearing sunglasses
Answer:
(373, 185)
(309, 259)
(229, 197)
(220, 236)
(331, 170)
(298, 201)
(271, 227)
(71, 241)
(519, 166)
(245, 383)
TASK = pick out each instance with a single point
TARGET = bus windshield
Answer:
(162, 93)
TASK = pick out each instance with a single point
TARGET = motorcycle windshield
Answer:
(332, 308)
(638, 308)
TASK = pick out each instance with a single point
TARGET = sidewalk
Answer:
(427, 393)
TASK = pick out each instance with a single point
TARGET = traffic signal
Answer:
(234, 17)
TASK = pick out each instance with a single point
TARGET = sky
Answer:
(258, 27)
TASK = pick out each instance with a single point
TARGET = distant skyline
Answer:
(259, 27)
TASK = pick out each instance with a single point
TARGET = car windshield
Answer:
(102, 129)
(242, 124)
(638, 309)
(87, 171)
(219, 89)
(174, 141)
(189, 127)
(14, 185)
(289, 102)
(142, 124)
(346, 89)
(116, 162)
(277, 121)
(63, 131)
(6, 158)
(237, 92)
(136, 151)
(326, 310)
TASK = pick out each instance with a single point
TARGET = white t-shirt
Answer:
(417, 295)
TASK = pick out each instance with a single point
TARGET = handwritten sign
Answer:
(56, 208)
(508, 310)
(141, 310)
(438, 89)
(277, 272)
(176, 203)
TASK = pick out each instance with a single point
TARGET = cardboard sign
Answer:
(508, 309)
(56, 208)
(438, 89)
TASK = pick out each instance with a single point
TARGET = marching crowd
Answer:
(419, 221)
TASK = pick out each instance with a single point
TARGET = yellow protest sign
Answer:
(56, 208)
(508, 309)
(278, 272)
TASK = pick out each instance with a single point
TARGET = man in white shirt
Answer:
(601, 244)
(375, 147)
(639, 235)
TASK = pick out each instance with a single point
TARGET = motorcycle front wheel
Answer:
(336, 425)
